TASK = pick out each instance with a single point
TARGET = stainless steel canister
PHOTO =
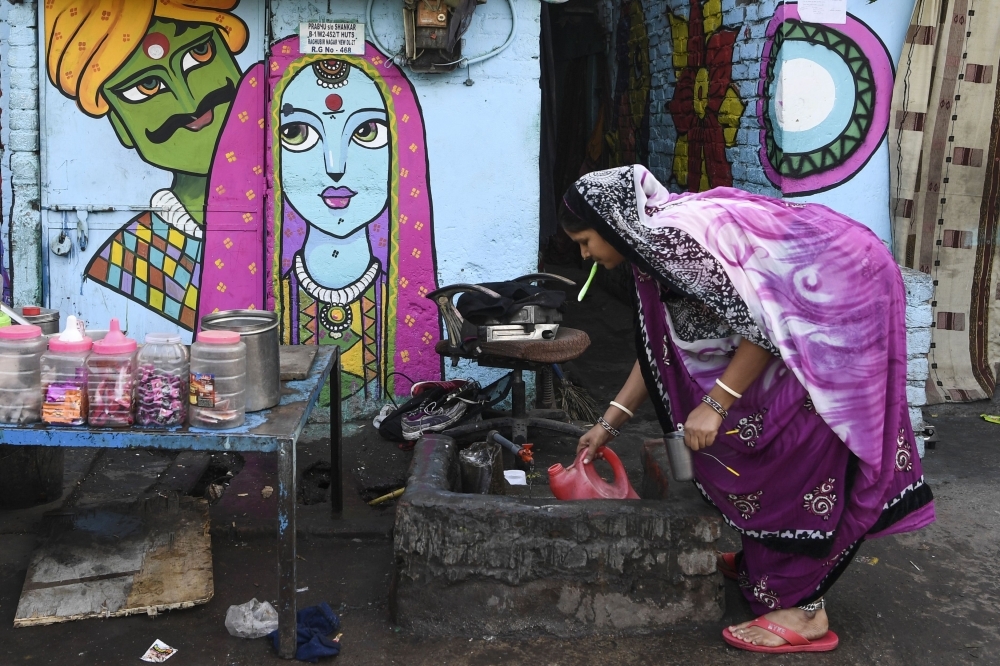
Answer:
(259, 331)
(44, 318)
(679, 455)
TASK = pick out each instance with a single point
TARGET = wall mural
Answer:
(165, 76)
(629, 138)
(706, 107)
(344, 255)
(847, 73)
(352, 253)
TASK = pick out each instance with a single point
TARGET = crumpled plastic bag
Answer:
(252, 619)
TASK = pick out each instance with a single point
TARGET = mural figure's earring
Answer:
(331, 73)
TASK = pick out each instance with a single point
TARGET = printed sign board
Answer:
(332, 38)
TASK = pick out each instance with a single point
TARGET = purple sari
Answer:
(823, 442)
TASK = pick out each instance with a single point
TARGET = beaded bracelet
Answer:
(714, 404)
(607, 426)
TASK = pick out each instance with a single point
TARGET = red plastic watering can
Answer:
(579, 481)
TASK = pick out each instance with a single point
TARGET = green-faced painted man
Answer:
(164, 73)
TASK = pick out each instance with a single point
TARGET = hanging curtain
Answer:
(945, 172)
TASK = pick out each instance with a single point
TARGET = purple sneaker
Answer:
(448, 386)
(431, 418)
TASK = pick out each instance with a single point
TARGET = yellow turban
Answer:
(86, 41)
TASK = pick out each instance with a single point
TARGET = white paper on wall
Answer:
(823, 11)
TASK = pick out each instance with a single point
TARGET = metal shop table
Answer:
(274, 430)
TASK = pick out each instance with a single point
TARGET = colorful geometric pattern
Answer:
(154, 264)
(862, 117)
(866, 111)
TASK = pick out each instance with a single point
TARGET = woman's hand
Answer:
(593, 440)
(701, 427)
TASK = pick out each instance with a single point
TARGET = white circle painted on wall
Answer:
(805, 95)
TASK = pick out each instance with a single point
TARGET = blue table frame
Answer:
(274, 430)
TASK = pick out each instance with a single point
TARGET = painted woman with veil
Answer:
(351, 253)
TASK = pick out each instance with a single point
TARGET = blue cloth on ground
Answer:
(313, 625)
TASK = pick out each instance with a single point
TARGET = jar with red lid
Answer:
(218, 380)
(111, 380)
(21, 350)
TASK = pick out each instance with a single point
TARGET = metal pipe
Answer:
(503, 441)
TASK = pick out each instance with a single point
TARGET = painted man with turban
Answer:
(164, 74)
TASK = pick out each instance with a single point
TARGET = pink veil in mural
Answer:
(233, 271)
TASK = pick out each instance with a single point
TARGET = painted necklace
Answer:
(337, 313)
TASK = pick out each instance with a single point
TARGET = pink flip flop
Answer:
(795, 642)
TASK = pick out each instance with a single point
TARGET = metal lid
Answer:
(241, 321)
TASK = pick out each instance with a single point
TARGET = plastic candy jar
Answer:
(64, 376)
(111, 379)
(162, 381)
(21, 350)
(218, 380)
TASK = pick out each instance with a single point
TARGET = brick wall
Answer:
(750, 19)
(19, 156)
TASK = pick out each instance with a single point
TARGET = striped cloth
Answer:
(945, 171)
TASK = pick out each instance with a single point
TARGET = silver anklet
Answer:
(819, 604)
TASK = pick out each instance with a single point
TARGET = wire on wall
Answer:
(400, 59)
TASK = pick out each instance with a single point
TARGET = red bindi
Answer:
(155, 45)
(334, 102)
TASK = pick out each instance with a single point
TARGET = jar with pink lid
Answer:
(21, 350)
(218, 380)
(111, 380)
(64, 376)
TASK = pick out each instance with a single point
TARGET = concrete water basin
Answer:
(526, 563)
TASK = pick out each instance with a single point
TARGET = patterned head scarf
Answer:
(87, 41)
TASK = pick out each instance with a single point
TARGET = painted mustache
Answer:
(194, 121)
(337, 197)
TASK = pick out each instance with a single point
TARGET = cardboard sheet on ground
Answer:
(144, 557)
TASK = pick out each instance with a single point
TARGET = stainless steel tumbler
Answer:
(680, 456)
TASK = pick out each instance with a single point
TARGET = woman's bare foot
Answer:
(810, 625)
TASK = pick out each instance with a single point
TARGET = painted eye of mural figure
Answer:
(201, 54)
(372, 134)
(144, 90)
(299, 137)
